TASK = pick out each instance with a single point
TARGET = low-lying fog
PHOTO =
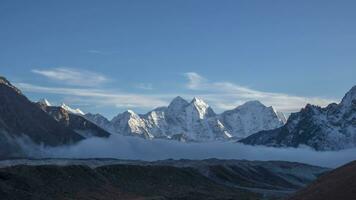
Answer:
(121, 147)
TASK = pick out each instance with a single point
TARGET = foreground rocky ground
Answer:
(337, 184)
(168, 179)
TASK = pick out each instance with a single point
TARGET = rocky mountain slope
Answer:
(167, 179)
(329, 128)
(73, 119)
(194, 121)
(337, 184)
(20, 118)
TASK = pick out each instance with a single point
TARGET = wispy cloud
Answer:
(220, 95)
(226, 95)
(144, 86)
(100, 97)
(195, 81)
(72, 76)
(99, 52)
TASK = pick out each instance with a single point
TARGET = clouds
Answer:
(99, 97)
(195, 81)
(72, 76)
(226, 95)
(125, 147)
(220, 95)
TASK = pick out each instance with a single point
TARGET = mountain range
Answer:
(329, 128)
(193, 121)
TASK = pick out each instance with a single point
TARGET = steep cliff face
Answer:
(76, 122)
(19, 117)
(329, 128)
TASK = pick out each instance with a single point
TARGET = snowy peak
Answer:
(177, 104)
(196, 120)
(71, 110)
(250, 118)
(203, 108)
(44, 102)
(249, 104)
(322, 128)
(129, 123)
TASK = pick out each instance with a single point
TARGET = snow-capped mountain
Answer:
(44, 102)
(21, 118)
(71, 110)
(75, 121)
(101, 121)
(129, 123)
(250, 118)
(329, 128)
(193, 121)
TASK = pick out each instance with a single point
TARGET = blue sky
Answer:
(109, 56)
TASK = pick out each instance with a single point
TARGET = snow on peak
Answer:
(254, 103)
(199, 101)
(71, 110)
(44, 102)
(202, 108)
(131, 112)
(250, 118)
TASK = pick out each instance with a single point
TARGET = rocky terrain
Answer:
(167, 179)
(73, 119)
(21, 118)
(337, 184)
(329, 128)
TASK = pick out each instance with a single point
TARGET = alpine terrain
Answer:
(329, 128)
(193, 121)
(23, 120)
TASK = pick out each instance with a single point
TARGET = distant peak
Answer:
(178, 102)
(44, 102)
(252, 103)
(349, 97)
(131, 112)
(198, 101)
(179, 99)
(71, 110)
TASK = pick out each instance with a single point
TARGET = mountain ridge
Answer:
(330, 128)
(194, 120)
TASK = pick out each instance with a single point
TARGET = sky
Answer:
(110, 56)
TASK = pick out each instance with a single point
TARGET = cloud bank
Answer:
(123, 147)
(227, 95)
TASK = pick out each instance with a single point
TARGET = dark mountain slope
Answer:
(111, 182)
(339, 184)
(166, 179)
(20, 117)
